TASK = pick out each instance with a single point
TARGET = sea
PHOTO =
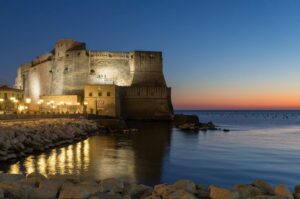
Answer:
(260, 145)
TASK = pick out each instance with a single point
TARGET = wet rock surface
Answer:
(75, 187)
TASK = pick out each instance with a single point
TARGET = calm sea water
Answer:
(261, 144)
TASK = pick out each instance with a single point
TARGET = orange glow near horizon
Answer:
(237, 100)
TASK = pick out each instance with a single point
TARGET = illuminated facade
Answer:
(69, 67)
(10, 99)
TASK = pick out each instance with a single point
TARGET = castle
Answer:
(127, 84)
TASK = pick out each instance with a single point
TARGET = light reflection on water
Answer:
(160, 153)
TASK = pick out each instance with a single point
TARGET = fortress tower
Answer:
(67, 68)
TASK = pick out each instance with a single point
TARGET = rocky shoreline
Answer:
(20, 138)
(38, 186)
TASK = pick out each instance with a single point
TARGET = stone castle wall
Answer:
(70, 66)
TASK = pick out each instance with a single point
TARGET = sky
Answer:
(218, 54)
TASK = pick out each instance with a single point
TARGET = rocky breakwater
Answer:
(19, 138)
(37, 186)
(191, 122)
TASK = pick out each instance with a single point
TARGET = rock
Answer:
(222, 193)
(44, 193)
(267, 197)
(180, 119)
(16, 191)
(111, 185)
(281, 190)
(105, 196)
(70, 178)
(162, 190)
(54, 185)
(4, 177)
(297, 189)
(264, 187)
(186, 185)
(35, 178)
(180, 194)
(1, 194)
(138, 191)
(247, 191)
(202, 194)
(77, 192)
(188, 126)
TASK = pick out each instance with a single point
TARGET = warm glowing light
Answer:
(69, 103)
(28, 100)
(78, 104)
(12, 98)
(40, 101)
(1, 100)
(21, 108)
(85, 103)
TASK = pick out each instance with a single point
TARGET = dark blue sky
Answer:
(217, 53)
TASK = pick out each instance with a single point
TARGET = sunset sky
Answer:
(218, 54)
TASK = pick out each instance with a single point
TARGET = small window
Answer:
(99, 94)
(91, 94)
(78, 53)
(108, 94)
(67, 55)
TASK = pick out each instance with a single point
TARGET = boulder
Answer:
(189, 126)
(70, 178)
(266, 197)
(78, 192)
(4, 177)
(16, 191)
(297, 189)
(202, 194)
(112, 185)
(54, 185)
(264, 187)
(186, 185)
(1, 193)
(180, 119)
(44, 193)
(180, 194)
(35, 178)
(247, 191)
(222, 193)
(105, 196)
(281, 190)
(136, 191)
(162, 190)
